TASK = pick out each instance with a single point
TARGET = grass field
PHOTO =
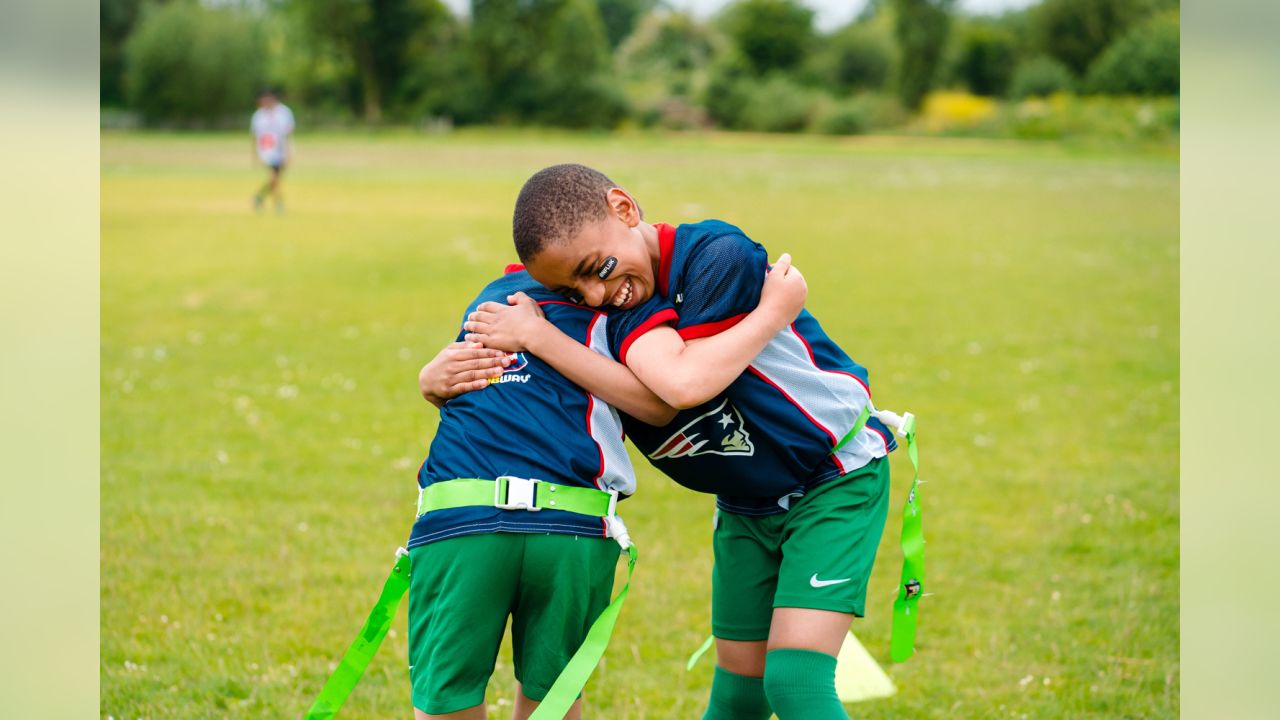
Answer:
(261, 427)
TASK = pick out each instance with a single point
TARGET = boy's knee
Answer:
(801, 685)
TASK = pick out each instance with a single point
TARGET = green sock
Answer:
(737, 697)
(801, 685)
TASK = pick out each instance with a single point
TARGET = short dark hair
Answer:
(555, 203)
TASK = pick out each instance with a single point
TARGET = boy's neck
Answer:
(650, 235)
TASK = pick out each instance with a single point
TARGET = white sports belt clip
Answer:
(519, 495)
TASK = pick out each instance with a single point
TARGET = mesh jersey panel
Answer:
(721, 280)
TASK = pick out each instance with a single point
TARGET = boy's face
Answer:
(607, 264)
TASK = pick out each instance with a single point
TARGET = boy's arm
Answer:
(681, 374)
(460, 367)
(688, 373)
(520, 327)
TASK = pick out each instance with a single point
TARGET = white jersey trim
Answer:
(831, 400)
(604, 425)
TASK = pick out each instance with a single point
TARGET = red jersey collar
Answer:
(666, 248)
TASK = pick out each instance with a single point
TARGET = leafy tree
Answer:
(1077, 31)
(439, 80)
(620, 17)
(1144, 62)
(1038, 77)
(190, 64)
(116, 22)
(860, 57)
(770, 34)
(987, 59)
(544, 60)
(375, 35)
(921, 27)
(669, 42)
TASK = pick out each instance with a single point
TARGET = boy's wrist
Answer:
(773, 316)
(536, 335)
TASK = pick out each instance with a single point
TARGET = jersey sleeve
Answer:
(722, 284)
(625, 327)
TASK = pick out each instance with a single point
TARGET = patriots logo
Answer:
(718, 432)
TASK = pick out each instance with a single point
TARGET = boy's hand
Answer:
(784, 290)
(506, 327)
(460, 367)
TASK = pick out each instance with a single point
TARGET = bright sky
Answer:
(829, 13)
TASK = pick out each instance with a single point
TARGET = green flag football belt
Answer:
(507, 493)
(911, 587)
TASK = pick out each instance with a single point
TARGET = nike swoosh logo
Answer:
(814, 581)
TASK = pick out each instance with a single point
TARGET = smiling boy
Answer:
(539, 434)
(800, 473)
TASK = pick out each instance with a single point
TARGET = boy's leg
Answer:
(473, 713)
(524, 707)
(830, 544)
(566, 581)
(276, 172)
(743, 582)
(460, 593)
(270, 187)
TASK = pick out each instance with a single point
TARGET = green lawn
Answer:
(261, 427)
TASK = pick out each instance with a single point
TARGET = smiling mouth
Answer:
(623, 296)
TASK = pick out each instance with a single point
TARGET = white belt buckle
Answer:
(520, 493)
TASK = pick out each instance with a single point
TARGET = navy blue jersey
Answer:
(532, 423)
(769, 435)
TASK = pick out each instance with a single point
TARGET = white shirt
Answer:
(271, 130)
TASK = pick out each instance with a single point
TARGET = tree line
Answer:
(756, 65)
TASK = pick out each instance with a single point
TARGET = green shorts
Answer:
(816, 555)
(462, 590)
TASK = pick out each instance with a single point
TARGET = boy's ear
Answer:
(624, 206)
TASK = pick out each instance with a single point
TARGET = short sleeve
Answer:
(625, 327)
(722, 283)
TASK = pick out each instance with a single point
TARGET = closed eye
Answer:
(570, 294)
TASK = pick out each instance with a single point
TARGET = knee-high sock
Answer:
(737, 697)
(801, 685)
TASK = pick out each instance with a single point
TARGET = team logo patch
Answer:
(718, 432)
(518, 363)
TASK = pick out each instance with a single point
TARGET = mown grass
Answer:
(261, 425)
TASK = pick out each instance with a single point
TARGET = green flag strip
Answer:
(565, 690)
(353, 664)
(902, 645)
(702, 650)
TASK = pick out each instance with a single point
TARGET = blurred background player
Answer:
(272, 127)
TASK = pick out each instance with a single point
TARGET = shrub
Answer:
(1039, 77)
(778, 104)
(1144, 62)
(859, 114)
(1098, 117)
(957, 112)
(192, 65)
(728, 88)
(860, 57)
